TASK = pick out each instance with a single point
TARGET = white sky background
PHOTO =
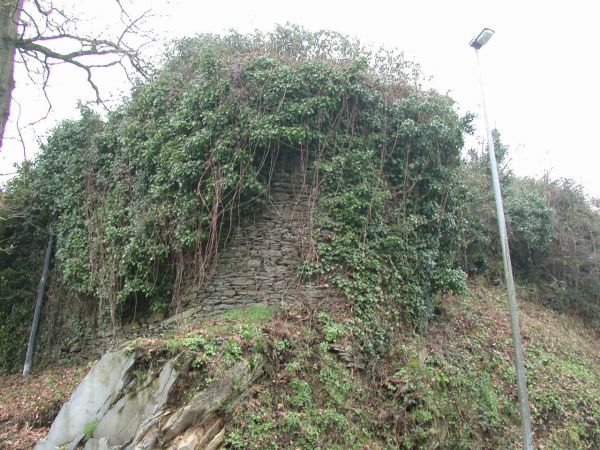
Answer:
(542, 70)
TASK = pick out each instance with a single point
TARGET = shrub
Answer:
(140, 200)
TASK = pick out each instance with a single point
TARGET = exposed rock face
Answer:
(122, 421)
(257, 266)
(91, 400)
(210, 436)
(120, 412)
(204, 404)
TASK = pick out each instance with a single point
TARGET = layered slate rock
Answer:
(207, 402)
(91, 400)
(111, 409)
(121, 423)
(198, 424)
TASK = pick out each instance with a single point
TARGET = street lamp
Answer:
(481, 39)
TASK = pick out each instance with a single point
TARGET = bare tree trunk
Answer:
(9, 16)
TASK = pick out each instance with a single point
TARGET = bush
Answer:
(140, 200)
(531, 225)
(553, 233)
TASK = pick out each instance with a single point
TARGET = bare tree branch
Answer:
(20, 132)
(45, 72)
(43, 35)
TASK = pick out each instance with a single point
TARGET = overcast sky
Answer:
(541, 69)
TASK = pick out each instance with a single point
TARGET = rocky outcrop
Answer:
(207, 402)
(121, 423)
(91, 400)
(198, 424)
(113, 409)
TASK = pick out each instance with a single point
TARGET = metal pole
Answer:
(38, 310)
(508, 276)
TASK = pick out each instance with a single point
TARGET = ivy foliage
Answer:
(387, 224)
(138, 201)
(21, 258)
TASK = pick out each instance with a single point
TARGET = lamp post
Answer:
(481, 39)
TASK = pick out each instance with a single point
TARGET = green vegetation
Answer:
(451, 388)
(386, 224)
(203, 352)
(88, 430)
(139, 200)
(223, 340)
(309, 403)
(405, 356)
(554, 234)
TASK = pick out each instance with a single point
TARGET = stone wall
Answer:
(257, 264)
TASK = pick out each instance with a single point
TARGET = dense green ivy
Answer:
(139, 201)
(22, 243)
(387, 214)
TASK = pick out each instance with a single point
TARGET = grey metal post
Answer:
(38, 310)
(508, 276)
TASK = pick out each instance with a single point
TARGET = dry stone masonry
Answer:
(257, 264)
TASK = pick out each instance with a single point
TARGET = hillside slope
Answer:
(452, 388)
(292, 210)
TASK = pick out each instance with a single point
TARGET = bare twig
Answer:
(46, 35)
(20, 131)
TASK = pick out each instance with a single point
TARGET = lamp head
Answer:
(482, 38)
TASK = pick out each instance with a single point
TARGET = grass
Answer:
(451, 388)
